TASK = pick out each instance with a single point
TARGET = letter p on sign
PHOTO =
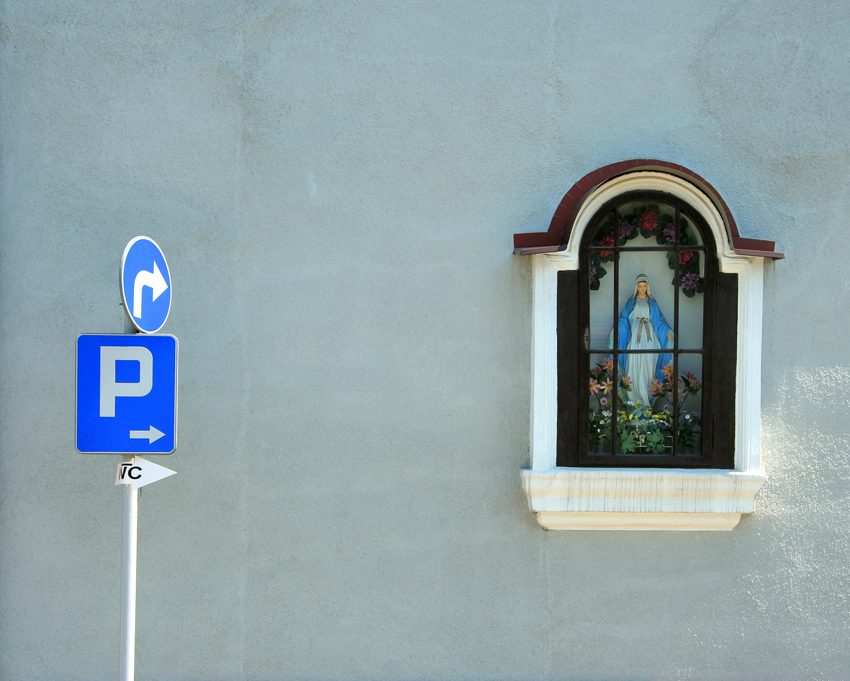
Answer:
(110, 388)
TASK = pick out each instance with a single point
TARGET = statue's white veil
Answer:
(640, 278)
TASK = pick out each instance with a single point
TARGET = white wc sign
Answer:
(138, 472)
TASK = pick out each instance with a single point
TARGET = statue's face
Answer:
(641, 289)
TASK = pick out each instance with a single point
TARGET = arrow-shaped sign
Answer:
(151, 435)
(154, 281)
(139, 472)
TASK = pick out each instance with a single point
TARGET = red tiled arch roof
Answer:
(555, 239)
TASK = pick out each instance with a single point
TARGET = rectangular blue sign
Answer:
(126, 394)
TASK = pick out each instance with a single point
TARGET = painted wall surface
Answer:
(336, 186)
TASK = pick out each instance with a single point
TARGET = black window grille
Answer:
(677, 336)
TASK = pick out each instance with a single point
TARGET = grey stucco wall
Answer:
(336, 186)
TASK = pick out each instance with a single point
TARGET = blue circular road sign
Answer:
(145, 284)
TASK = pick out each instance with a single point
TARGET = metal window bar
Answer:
(600, 351)
(642, 248)
(615, 369)
(676, 242)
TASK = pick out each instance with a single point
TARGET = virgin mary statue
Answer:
(642, 327)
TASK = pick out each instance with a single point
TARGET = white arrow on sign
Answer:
(139, 473)
(154, 281)
(151, 435)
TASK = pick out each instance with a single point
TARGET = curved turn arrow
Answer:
(154, 281)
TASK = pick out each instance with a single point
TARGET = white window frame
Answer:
(641, 498)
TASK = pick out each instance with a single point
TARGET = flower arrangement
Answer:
(641, 428)
(647, 221)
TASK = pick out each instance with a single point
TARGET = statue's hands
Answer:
(670, 336)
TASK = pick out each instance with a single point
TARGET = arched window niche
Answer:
(646, 399)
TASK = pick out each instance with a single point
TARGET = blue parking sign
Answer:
(126, 394)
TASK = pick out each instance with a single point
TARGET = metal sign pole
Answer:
(128, 581)
(130, 532)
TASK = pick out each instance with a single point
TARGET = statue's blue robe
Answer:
(662, 328)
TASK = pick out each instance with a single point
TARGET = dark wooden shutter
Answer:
(569, 368)
(719, 412)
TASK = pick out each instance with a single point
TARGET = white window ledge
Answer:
(640, 499)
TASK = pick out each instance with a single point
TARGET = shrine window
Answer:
(647, 376)
(646, 356)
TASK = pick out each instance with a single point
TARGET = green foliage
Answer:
(655, 441)
(628, 443)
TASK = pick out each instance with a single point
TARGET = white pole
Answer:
(127, 655)
(128, 582)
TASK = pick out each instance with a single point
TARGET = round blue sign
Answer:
(145, 284)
